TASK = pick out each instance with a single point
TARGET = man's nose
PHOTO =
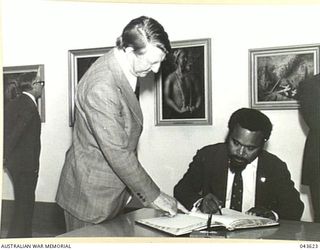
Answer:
(241, 150)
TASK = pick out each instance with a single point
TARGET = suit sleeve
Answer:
(289, 206)
(188, 189)
(16, 119)
(102, 108)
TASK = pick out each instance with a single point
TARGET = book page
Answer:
(185, 223)
(177, 225)
(232, 219)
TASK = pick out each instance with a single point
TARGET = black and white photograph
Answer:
(160, 123)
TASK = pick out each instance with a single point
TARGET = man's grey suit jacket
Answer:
(101, 168)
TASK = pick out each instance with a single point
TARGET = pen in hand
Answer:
(209, 222)
(210, 204)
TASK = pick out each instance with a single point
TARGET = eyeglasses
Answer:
(40, 82)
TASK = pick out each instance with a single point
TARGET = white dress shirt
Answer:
(249, 186)
(121, 58)
(31, 96)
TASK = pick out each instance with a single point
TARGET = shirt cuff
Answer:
(196, 205)
(275, 215)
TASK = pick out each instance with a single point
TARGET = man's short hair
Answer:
(252, 120)
(141, 31)
(26, 80)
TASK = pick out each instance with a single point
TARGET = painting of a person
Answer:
(181, 88)
(11, 91)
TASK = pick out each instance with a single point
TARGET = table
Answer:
(125, 226)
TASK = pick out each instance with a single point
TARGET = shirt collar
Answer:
(253, 165)
(121, 57)
(31, 96)
(250, 167)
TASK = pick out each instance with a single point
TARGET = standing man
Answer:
(240, 175)
(22, 127)
(101, 169)
(309, 94)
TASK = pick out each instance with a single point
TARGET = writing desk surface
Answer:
(125, 226)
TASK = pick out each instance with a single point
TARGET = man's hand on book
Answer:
(168, 204)
(262, 212)
(210, 204)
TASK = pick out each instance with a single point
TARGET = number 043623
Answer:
(309, 245)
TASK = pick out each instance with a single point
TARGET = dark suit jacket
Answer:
(309, 94)
(22, 127)
(208, 173)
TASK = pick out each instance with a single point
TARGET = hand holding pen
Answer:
(210, 204)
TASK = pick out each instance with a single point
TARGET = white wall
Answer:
(42, 32)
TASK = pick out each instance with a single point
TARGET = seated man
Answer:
(240, 175)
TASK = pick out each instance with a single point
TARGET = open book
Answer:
(186, 223)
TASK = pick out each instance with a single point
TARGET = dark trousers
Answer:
(24, 185)
(315, 196)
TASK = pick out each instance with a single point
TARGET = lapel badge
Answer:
(263, 179)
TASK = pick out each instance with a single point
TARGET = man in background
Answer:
(22, 127)
(309, 95)
(240, 175)
(101, 170)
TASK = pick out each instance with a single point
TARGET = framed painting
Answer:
(183, 92)
(11, 88)
(275, 74)
(79, 62)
